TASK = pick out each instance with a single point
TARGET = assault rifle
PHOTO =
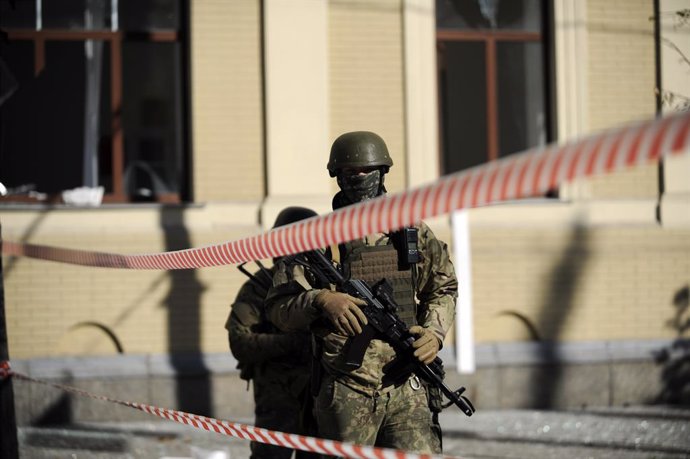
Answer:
(382, 322)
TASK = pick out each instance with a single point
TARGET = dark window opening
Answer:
(91, 98)
(521, 95)
(492, 74)
(463, 101)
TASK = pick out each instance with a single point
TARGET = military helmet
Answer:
(293, 214)
(358, 149)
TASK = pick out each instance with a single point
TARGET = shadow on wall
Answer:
(553, 315)
(101, 337)
(183, 302)
(524, 323)
(675, 359)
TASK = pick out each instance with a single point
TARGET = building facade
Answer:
(202, 119)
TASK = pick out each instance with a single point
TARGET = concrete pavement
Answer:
(634, 432)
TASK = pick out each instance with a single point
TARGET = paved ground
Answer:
(640, 432)
(605, 433)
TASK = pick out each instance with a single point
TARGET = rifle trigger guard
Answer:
(458, 393)
(415, 383)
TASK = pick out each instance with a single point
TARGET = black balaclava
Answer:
(356, 188)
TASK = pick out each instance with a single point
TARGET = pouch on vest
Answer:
(374, 263)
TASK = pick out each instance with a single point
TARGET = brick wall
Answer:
(577, 283)
(621, 86)
(227, 100)
(58, 309)
(366, 83)
(610, 281)
(621, 61)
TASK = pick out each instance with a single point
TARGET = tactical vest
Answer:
(373, 263)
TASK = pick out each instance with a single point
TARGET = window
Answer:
(93, 94)
(492, 79)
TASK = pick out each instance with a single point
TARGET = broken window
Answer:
(92, 95)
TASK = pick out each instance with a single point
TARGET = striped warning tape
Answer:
(242, 431)
(528, 174)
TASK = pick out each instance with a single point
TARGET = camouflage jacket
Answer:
(271, 357)
(290, 305)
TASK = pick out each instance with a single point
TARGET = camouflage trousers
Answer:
(399, 419)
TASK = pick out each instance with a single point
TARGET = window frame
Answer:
(116, 38)
(491, 38)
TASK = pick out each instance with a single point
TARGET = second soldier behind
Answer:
(277, 363)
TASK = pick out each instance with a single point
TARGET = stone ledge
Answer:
(487, 355)
(534, 353)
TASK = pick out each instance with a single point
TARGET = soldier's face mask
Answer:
(358, 185)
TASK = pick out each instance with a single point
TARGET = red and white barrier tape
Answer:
(5, 370)
(528, 174)
(243, 431)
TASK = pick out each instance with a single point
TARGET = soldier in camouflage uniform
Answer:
(277, 363)
(380, 403)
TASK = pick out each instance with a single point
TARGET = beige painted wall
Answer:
(297, 106)
(571, 56)
(296, 93)
(675, 85)
(421, 93)
(675, 55)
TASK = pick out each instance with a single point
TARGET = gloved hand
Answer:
(426, 345)
(343, 311)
